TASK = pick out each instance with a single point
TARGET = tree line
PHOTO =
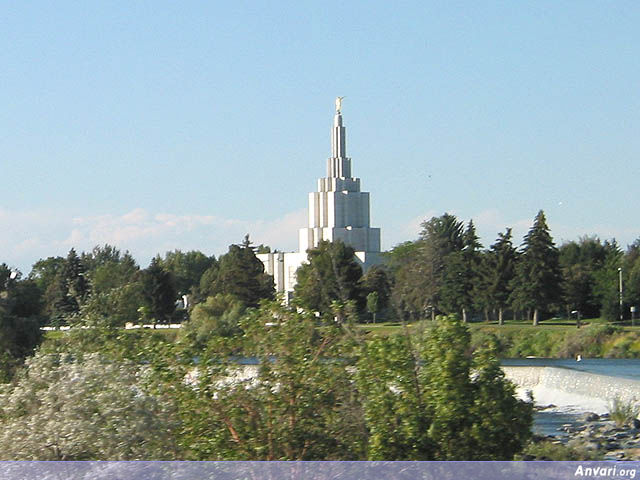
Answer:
(107, 288)
(447, 271)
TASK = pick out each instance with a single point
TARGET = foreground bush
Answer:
(280, 386)
(65, 408)
(427, 399)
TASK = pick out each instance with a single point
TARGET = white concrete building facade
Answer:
(337, 211)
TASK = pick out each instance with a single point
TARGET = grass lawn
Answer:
(557, 324)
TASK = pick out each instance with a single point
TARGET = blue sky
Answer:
(162, 125)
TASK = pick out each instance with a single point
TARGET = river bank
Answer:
(590, 437)
(590, 341)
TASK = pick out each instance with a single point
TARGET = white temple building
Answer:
(337, 211)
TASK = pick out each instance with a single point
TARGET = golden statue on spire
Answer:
(339, 104)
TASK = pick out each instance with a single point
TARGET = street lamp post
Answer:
(620, 289)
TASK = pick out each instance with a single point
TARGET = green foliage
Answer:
(26, 299)
(438, 273)
(596, 341)
(219, 316)
(623, 413)
(241, 274)
(422, 403)
(420, 271)
(113, 308)
(296, 405)
(68, 289)
(400, 255)
(112, 275)
(18, 339)
(461, 275)
(137, 346)
(444, 233)
(538, 276)
(377, 280)
(331, 274)
(496, 275)
(187, 268)
(580, 262)
(547, 450)
(158, 292)
(631, 270)
(373, 304)
(606, 286)
(396, 416)
(43, 275)
(19, 324)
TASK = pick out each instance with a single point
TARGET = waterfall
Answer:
(572, 390)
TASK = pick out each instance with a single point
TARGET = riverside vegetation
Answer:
(319, 392)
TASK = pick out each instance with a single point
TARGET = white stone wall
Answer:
(283, 266)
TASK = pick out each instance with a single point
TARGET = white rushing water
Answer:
(572, 390)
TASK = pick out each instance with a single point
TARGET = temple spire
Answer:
(338, 134)
(339, 165)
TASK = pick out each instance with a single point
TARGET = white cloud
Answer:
(31, 235)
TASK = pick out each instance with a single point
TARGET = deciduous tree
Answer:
(66, 408)
(331, 274)
(422, 402)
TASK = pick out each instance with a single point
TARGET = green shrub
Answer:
(546, 450)
(623, 413)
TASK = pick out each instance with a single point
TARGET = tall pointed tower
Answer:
(339, 210)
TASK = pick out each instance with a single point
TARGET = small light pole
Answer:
(620, 285)
(633, 316)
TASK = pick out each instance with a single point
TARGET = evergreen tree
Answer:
(241, 274)
(461, 269)
(68, 290)
(159, 292)
(498, 270)
(74, 274)
(444, 233)
(538, 278)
